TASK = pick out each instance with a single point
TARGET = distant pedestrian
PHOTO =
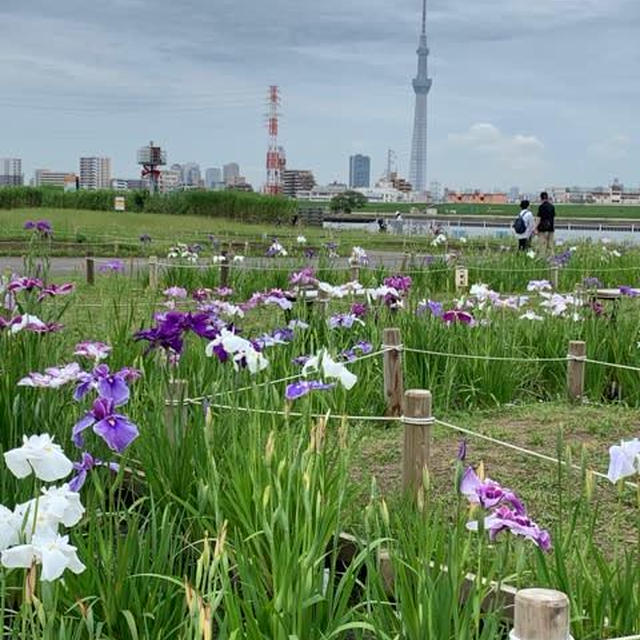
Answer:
(524, 226)
(546, 223)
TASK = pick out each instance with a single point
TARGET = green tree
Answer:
(347, 201)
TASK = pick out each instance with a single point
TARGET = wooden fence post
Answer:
(575, 369)
(392, 370)
(355, 274)
(224, 270)
(175, 413)
(417, 421)
(541, 614)
(554, 277)
(153, 272)
(91, 277)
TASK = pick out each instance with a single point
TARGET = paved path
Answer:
(69, 265)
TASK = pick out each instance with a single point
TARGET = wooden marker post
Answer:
(91, 273)
(462, 278)
(417, 421)
(355, 274)
(153, 272)
(541, 614)
(554, 277)
(224, 270)
(576, 368)
(393, 378)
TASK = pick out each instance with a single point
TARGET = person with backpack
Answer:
(546, 222)
(524, 226)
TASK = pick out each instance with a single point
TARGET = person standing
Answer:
(546, 223)
(524, 226)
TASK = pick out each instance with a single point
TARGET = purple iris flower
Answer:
(43, 227)
(56, 290)
(300, 360)
(309, 253)
(629, 291)
(115, 429)
(561, 260)
(82, 468)
(29, 225)
(112, 386)
(360, 348)
(488, 494)
(223, 292)
(113, 266)
(94, 350)
(301, 388)
(400, 283)
(456, 315)
(359, 309)
(201, 294)
(436, 308)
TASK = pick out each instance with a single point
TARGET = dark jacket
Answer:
(547, 214)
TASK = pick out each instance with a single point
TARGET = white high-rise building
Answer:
(95, 173)
(230, 172)
(11, 172)
(212, 178)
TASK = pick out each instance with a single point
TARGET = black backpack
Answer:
(519, 225)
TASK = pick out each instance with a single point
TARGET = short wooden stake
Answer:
(355, 274)
(541, 614)
(393, 378)
(91, 274)
(224, 270)
(131, 266)
(554, 277)
(575, 369)
(417, 438)
(153, 272)
(175, 410)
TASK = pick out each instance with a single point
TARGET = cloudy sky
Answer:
(525, 92)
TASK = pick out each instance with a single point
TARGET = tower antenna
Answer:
(275, 154)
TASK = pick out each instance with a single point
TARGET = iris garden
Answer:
(184, 463)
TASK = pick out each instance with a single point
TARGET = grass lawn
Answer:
(562, 210)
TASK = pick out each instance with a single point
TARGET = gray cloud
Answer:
(105, 77)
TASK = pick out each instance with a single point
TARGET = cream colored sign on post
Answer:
(462, 278)
(119, 203)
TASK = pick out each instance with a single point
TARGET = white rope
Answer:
(416, 421)
(393, 347)
(519, 449)
(297, 376)
(471, 356)
(614, 365)
(297, 414)
(571, 356)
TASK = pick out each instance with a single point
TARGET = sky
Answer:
(525, 93)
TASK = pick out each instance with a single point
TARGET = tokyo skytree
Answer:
(421, 85)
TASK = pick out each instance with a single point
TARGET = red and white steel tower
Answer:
(275, 153)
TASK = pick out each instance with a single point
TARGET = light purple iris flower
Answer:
(175, 292)
(24, 284)
(114, 428)
(344, 320)
(53, 377)
(56, 290)
(95, 350)
(303, 278)
(488, 494)
(82, 468)
(113, 266)
(505, 519)
(303, 387)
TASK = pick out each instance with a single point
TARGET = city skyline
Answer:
(515, 102)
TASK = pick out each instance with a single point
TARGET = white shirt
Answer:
(530, 222)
